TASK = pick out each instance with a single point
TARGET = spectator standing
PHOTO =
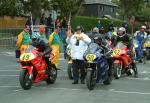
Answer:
(54, 42)
(78, 44)
(43, 19)
(42, 33)
(49, 25)
(111, 26)
(24, 40)
(99, 25)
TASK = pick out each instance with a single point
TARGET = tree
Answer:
(35, 6)
(127, 8)
(67, 6)
(10, 8)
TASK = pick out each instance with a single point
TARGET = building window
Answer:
(112, 9)
(101, 7)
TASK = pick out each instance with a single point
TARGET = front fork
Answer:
(30, 71)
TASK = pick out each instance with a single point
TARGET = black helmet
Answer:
(98, 39)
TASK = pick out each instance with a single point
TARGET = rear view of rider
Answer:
(125, 39)
(42, 46)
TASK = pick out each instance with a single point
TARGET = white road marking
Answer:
(110, 90)
(66, 89)
(145, 72)
(9, 75)
(9, 65)
(17, 90)
(9, 86)
(126, 92)
(138, 78)
(9, 70)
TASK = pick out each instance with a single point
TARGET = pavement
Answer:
(124, 90)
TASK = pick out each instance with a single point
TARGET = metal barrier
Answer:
(8, 36)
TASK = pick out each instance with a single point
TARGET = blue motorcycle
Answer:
(96, 66)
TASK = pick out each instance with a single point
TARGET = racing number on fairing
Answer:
(147, 44)
(26, 57)
(117, 52)
(90, 57)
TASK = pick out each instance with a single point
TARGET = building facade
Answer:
(98, 8)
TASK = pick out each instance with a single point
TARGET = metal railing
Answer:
(8, 36)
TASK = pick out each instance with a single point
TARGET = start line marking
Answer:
(110, 90)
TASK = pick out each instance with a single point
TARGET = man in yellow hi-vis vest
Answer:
(54, 42)
(24, 39)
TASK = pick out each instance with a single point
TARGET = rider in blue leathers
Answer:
(140, 36)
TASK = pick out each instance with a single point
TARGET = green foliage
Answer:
(21, 7)
(35, 6)
(88, 23)
(128, 8)
(67, 6)
(10, 8)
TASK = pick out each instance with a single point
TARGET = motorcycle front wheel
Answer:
(117, 71)
(25, 82)
(90, 79)
(70, 71)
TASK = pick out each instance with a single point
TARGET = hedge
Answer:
(90, 22)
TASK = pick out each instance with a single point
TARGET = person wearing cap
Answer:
(78, 44)
(42, 32)
(140, 36)
(24, 39)
(54, 42)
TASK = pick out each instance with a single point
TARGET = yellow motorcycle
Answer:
(147, 48)
(69, 68)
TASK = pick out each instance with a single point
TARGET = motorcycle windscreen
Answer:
(92, 49)
(92, 52)
(120, 45)
(28, 55)
(30, 49)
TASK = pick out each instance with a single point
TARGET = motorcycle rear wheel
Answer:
(108, 78)
(52, 76)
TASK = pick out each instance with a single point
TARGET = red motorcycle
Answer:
(34, 69)
(122, 61)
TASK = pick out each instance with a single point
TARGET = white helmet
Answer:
(143, 27)
(95, 29)
(122, 29)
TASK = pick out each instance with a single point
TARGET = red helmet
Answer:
(42, 29)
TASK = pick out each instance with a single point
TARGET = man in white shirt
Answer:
(78, 44)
